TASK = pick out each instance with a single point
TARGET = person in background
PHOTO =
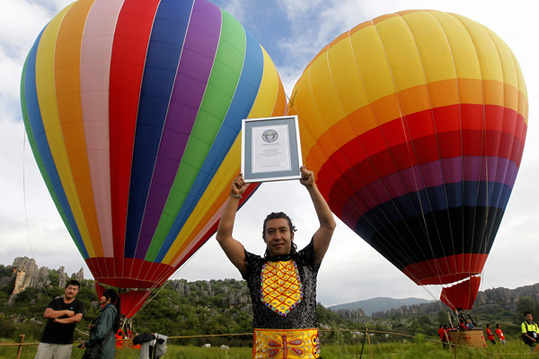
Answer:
(490, 334)
(101, 344)
(469, 324)
(529, 330)
(461, 319)
(499, 334)
(444, 337)
(62, 314)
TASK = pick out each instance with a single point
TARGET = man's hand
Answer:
(238, 187)
(307, 177)
(69, 313)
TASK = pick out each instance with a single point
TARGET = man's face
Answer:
(71, 291)
(529, 317)
(278, 236)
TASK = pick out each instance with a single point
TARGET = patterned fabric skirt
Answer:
(286, 344)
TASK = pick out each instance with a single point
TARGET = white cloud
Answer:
(10, 73)
(21, 21)
(237, 9)
(298, 8)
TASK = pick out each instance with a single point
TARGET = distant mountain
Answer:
(379, 304)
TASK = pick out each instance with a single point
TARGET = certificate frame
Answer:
(287, 127)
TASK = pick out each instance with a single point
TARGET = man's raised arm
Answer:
(322, 237)
(233, 249)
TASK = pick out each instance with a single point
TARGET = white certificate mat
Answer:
(270, 149)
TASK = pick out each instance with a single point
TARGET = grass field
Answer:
(420, 348)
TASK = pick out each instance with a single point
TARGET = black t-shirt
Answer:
(57, 333)
(283, 289)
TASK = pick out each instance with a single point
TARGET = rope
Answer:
(24, 197)
(210, 335)
(454, 346)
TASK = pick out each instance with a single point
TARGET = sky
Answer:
(293, 32)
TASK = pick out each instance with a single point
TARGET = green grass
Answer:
(419, 348)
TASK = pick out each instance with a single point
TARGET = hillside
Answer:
(379, 304)
(181, 307)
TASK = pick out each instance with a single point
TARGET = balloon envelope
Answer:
(414, 124)
(461, 296)
(133, 111)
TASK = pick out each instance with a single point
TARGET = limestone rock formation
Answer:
(27, 274)
(62, 277)
(79, 276)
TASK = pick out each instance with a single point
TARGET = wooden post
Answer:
(368, 337)
(19, 349)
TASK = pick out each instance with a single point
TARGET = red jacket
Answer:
(443, 334)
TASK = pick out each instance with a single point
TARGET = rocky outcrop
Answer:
(499, 298)
(27, 274)
(350, 314)
(179, 285)
(43, 277)
(79, 276)
(62, 277)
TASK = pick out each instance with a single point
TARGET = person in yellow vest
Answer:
(529, 330)
(282, 283)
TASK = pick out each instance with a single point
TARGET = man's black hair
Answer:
(73, 282)
(277, 215)
(526, 313)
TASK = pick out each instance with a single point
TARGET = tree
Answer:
(526, 304)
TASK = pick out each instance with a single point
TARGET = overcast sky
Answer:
(292, 31)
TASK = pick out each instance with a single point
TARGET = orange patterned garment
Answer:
(281, 288)
(286, 344)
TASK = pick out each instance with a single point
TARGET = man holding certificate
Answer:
(282, 283)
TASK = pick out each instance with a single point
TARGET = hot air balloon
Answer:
(414, 124)
(133, 111)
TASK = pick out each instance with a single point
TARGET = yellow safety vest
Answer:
(529, 327)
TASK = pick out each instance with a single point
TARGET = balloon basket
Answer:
(471, 338)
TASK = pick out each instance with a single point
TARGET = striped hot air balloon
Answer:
(414, 124)
(133, 110)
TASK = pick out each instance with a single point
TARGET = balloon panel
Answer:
(133, 110)
(461, 296)
(414, 124)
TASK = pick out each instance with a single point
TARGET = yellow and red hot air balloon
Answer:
(133, 111)
(414, 124)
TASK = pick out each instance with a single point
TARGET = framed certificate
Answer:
(270, 149)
